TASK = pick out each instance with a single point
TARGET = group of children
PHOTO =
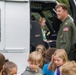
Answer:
(49, 62)
(41, 62)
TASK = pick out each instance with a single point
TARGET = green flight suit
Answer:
(66, 36)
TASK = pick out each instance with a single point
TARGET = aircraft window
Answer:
(36, 15)
(52, 19)
(48, 15)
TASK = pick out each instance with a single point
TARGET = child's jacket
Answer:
(28, 71)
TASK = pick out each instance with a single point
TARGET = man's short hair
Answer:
(64, 6)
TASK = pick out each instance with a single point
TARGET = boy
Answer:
(35, 60)
(2, 61)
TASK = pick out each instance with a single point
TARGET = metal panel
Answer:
(42, 0)
(17, 33)
(1, 25)
(30, 0)
(14, 0)
(17, 25)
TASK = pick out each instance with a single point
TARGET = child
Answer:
(10, 68)
(58, 59)
(42, 22)
(2, 61)
(41, 48)
(69, 68)
(35, 60)
(48, 55)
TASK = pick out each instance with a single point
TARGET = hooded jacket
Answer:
(28, 71)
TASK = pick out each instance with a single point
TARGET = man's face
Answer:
(60, 13)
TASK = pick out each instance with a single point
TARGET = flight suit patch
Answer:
(61, 41)
(66, 29)
(61, 36)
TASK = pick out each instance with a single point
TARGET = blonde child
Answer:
(42, 22)
(10, 68)
(69, 68)
(58, 59)
(35, 60)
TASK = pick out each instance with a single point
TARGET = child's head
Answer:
(42, 21)
(48, 53)
(10, 68)
(2, 61)
(60, 57)
(69, 68)
(41, 48)
(35, 60)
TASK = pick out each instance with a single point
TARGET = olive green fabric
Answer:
(66, 35)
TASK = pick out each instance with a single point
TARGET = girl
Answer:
(58, 59)
(10, 68)
(41, 49)
(42, 22)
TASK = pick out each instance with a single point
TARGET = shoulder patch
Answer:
(65, 29)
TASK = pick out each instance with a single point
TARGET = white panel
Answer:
(20, 59)
(1, 25)
(42, 0)
(16, 0)
(17, 20)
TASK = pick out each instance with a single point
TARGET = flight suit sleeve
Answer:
(66, 38)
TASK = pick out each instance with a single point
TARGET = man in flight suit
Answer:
(67, 32)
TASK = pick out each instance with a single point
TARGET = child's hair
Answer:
(61, 53)
(69, 68)
(41, 19)
(2, 61)
(8, 66)
(36, 58)
(42, 48)
(48, 53)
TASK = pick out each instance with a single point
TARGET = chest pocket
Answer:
(62, 39)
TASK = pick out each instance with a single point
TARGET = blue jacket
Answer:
(46, 71)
